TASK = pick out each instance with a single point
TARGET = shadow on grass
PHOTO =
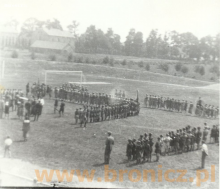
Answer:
(98, 164)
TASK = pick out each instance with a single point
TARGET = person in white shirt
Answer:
(204, 153)
(8, 143)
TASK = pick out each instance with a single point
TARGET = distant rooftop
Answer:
(58, 33)
(49, 45)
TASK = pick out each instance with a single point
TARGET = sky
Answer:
(201, 17)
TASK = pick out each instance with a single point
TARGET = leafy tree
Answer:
(202, 70)
(147, 67)
(128, 45)
(30, 25)
(178, 67)
(124, 62)
(141, 64)
(73, 28)
(184, 69)
(106, 60)
(54, 23)
(215, 69)
(164, 67)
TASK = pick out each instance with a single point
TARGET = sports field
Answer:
(56, 143)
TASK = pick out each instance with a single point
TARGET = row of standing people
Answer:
(184, 140)
(181, 106)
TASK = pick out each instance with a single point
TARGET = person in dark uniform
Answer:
(62, 107)
(38, 107)
(108, 147)
(134, 149)
(28, 108)
(157, 149)
(138, 151)
(198, 137)
(151, 143)
(76, 116)
(55, 105)
(129, 149)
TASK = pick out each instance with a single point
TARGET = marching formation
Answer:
(96, 107)
(183, 140)
(181, 106)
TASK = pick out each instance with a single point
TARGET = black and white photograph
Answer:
(109, 93)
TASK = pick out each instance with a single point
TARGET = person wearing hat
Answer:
(56, 105)
(157, 149)
(62, 107)
(205, 133)
(38, 112)
(138, 151)
(166, 144)
(134, 149)
(212, 134)
(198, 137)
(108, 147)
(151, 143)
(129, 149)
(146, 148)
(204, 154)
(26, 127)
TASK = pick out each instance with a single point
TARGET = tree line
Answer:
(171, 45)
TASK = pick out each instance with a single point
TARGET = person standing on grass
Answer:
(26, 127)
(38, 110)
(108, 147)
(76, 116)
(212, 135)
(6, 109)
(28, 108)
(8, 143)
(157, 149)
(62, 106)
(204, 153)
(55, 105)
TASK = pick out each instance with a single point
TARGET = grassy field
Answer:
(56, 143)
(131, 63)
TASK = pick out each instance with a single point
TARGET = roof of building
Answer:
(49, 45)
(58, 33)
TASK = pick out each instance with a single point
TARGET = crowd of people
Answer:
(14, 100)
(183, 140)
(181, 106)
(96, 107)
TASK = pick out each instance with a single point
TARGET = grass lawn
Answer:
(57, 143)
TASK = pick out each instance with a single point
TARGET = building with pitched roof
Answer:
(51, 46)
(53, 37)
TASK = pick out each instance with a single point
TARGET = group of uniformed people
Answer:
(181, 106)
(183, 140)
(90, 113)
(39, 90)
(205, 110)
